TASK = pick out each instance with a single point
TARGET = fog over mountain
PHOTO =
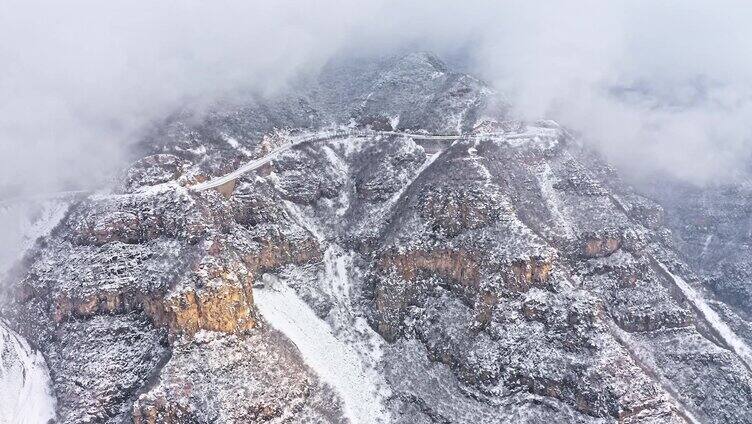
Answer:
(375, 212)
(657, 86)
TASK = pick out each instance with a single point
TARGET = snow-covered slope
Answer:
(343, 350)
(25, 391)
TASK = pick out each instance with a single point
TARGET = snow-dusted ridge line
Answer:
(430, 159)
(259, 162)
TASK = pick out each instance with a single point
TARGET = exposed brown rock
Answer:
(66, 305)
(402, 275)
(142, 218)
(222, 306)
(457, 265)
(155, 409)
(218, 299)
(648, 320)
(529, 273)
(276, 251)
(599, 247)
(227, 188)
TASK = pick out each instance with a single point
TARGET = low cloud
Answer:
(81, 79)
(657, 86)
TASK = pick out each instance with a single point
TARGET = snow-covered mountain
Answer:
(372, 273)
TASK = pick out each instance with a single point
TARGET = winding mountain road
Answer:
(257, 163)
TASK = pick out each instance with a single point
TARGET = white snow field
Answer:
(344, 356)
(25, 391)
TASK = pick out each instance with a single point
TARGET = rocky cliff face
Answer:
(507, 276)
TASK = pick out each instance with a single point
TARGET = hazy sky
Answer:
(655, 85)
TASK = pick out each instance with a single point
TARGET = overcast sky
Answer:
(657, 86)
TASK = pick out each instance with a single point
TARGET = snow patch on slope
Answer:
(546, 180)
(235, 144)
(343, 168)
(706, 245)
(476, 160)
(344, 351)
(398, 195)
(25, 390)
(711, 316)
(25, 394)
